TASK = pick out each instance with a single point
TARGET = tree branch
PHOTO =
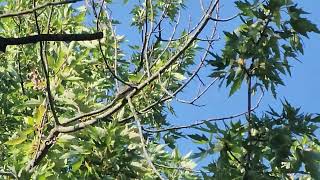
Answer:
(195, 73)
(224, 20)
(143, 144)
(93, 117)
(4, 42)
(29, 11)
(203, 121)
(43, 150)
(45, 69)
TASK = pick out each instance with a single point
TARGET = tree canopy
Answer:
(79, 102)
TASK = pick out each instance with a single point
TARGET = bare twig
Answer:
(203, 121)
(114, 36)
(45, 69)
(97, 16)
(168, 44)
(202, 6)
(195, 73)
(19, 64)
(176, 168)
(225, 20)
(200, 94)
(143, 144)
(146, 38)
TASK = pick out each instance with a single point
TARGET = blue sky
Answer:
(302, 88)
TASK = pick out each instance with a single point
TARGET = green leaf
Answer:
(276, 4)
(33, 102)
(236, 84)
(303, 26)
(245, 8)
(77, 165)
(179, 76)
(312, 163)
(198, 138)
(316, 119)
(311, 155)
(219, 74)
(16, 141)
(40, 114)
(73, 78)
(277, 17)
(295, 12)
(65, 138)
(135, 77)
(89, 44)
(213, 128)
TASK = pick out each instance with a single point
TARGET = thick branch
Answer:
(50, 140)
(4, 42)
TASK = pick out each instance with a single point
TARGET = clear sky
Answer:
(301, 90)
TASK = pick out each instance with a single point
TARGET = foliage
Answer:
(98, 109)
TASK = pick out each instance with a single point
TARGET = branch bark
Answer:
(4, 42)
(143, 144)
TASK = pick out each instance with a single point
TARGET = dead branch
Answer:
(4, 42)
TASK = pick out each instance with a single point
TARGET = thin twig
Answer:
(19, 63)
(143, 144)
(113, 33)
(169, 43)
(200, 94)
(46, 72)
(202, 121)
(176, 168)
(225, 20)
(97, 16)
(146, 38)
(165, 98)
(234, 157)
(29, 11)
